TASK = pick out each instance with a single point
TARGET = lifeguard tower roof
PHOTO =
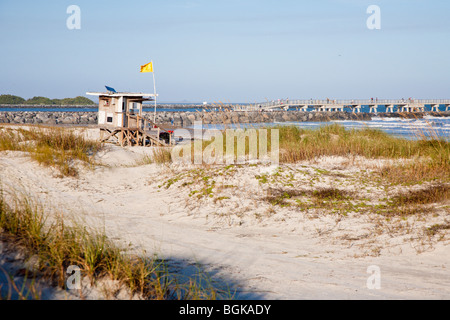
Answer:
(122, 94)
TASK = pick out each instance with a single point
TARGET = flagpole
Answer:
(154, 91)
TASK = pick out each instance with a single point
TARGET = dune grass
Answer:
(57, 147)
(330, 199)
(431, 194)
(59, 246)
(278, 196)
(162, 156)
(429, 154)
(334, 140)
(433, 164)
(298, 144)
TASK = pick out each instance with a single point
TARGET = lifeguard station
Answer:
(120, 119)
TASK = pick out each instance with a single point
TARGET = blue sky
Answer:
(228, 51)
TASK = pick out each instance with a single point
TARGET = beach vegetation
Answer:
(322, 198)
(406, 203)
(436, 228)
(298, 144)
(58, 245)
(60, 148)
(160, 155)
(431, 154)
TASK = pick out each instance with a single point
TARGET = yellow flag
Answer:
(147, 67)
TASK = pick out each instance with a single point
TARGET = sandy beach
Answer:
(256, 249)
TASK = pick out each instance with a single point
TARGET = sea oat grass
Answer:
(334, 140)
(334, 200)
(431, 194)
(414, 172)
(59, 246)
(297, 144)
(56, 147)
(436, 228)
(162, 155)
(320, 198)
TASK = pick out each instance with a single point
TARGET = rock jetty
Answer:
(186, 119)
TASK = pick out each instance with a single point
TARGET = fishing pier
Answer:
(355, 105)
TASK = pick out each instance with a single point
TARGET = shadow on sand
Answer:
(18, 283)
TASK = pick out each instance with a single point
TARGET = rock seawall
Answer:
(48, 118)
(185, 119)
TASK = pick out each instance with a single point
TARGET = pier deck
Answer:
(399, 105)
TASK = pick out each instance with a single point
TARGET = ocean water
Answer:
(432, 127)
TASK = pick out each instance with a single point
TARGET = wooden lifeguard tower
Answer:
(120, 119)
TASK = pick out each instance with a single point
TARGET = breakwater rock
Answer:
(48, 118)
(186, 119)
(183, 119)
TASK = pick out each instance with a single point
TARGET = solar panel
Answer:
(110, 89)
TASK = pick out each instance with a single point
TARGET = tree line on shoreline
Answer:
(11, 99)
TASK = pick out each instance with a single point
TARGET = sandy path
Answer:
(260, 262)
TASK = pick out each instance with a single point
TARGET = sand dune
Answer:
(262, 251)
